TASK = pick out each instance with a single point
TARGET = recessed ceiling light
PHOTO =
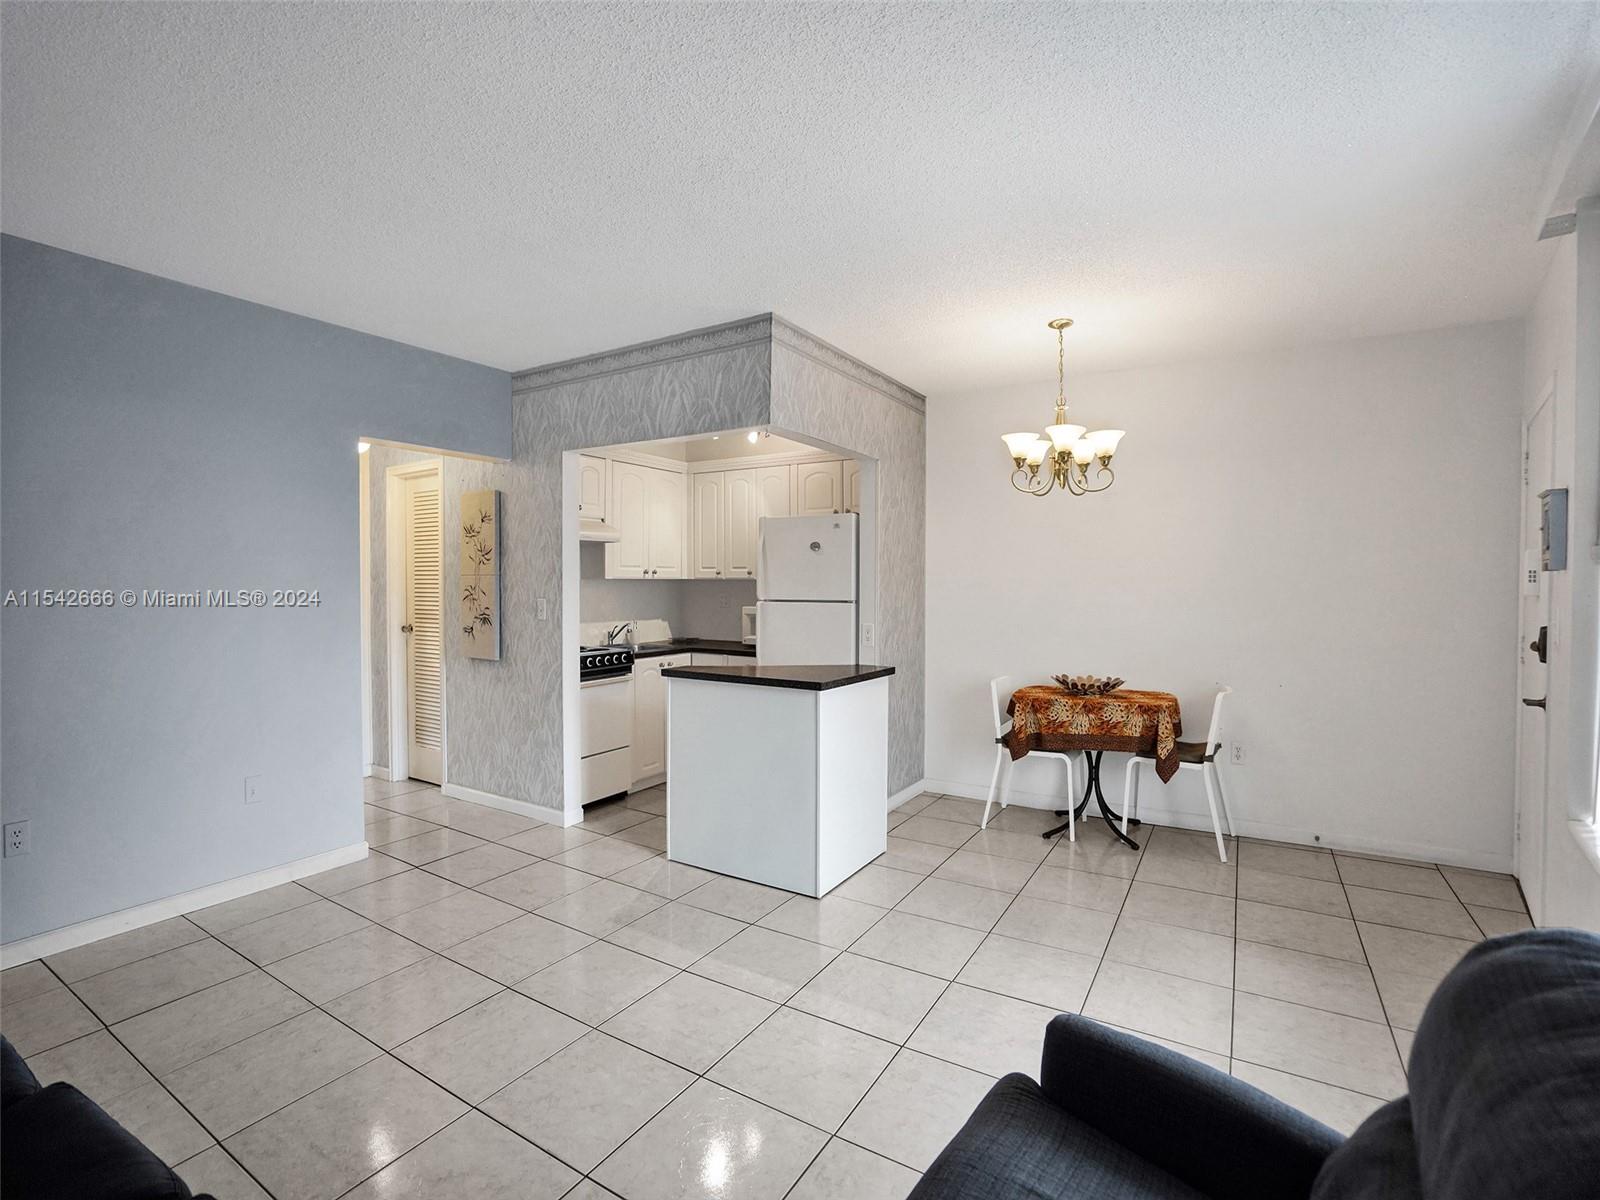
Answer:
(716, 437)
(363, 447)
(752, 437)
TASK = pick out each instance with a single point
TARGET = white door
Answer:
(796, 633)
(818, 489)
(592, 489)
(807, 558)
(423, 627)
(1533, 676)
(741, 507)
(626, 558)
(666, 508)
(852, 485)
(707, 561)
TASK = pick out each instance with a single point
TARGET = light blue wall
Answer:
(154, 435)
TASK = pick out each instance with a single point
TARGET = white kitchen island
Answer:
(778, 775)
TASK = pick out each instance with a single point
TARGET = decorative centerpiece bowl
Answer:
(1088, 685)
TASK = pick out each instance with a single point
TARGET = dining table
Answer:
(1050, 718)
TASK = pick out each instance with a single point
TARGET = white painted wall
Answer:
(1571, 891)
(1331, 530)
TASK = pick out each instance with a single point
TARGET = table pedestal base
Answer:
(1092, 788)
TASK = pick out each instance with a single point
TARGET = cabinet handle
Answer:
(719, 572)
(749, 572)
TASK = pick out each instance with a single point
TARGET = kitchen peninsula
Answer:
(778, 774)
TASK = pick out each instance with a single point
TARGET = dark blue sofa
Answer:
(1504, 1105)
(61, 1145)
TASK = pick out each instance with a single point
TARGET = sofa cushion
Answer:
(1379, 1162)
(17, 1081)
(1020, 1146)
(61, 1145)
(1505, 1072)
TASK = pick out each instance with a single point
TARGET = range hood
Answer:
(592, 529)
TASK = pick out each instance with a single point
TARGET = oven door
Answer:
(605, 715)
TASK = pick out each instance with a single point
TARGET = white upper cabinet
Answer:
(628, 556)
(818, 489)
(852, 485)
(667, 508)
(774, 491)
(649, 510)
(740, 510)
(593, 491)
(707, 553)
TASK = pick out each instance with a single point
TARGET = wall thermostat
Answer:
(1553, 529)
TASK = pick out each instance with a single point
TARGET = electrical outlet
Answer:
(1237, 757)
(869, 635)
(542, 608)
(252, 789)
(16, 838)
(722, 600)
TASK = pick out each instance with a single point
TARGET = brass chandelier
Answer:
(1063, 456)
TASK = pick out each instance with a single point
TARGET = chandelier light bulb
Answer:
(1083, 452)
(1018, 444)
(1037, 451)
(1105, 441)
(1062, 436)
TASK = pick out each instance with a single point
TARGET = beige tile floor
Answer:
(490, 1007)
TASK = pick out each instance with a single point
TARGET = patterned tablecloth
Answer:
(1046, 717)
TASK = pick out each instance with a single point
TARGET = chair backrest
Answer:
(1214, 737)
(1000, 689)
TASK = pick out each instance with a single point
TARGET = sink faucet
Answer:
(616, 632)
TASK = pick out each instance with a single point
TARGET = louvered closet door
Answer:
(424, 619)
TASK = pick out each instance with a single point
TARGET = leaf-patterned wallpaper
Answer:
(820, 392)
(504, 723)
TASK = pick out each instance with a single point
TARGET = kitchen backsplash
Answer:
(707, 608)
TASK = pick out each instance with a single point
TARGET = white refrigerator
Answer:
(807, 583)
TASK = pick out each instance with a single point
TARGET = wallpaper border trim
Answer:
(713, 339)
(825, 354)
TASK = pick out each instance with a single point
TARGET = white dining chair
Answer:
(1192, 756)
(1000, 689)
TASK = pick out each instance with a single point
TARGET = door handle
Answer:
(1541, 644)
(1539, 703)
(405, 629)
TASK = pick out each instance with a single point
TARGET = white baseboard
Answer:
(1357, 844)
(896, 799)
(81, 934)
(538, 812)
(649, 781)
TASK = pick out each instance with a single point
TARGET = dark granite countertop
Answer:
(809, 679)
(690, 645)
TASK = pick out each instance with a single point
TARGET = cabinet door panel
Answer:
(649, 719)
(627, 557)
(592, 487)
(819, 489)
(667, 508)
(852, 485)
(708, 487)
(774, 491)
(740, 508)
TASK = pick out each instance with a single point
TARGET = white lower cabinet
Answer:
(699, 658)
(650, 718)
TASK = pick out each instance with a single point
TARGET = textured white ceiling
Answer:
(923, 185)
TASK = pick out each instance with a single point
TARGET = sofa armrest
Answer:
(1215, 1133)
